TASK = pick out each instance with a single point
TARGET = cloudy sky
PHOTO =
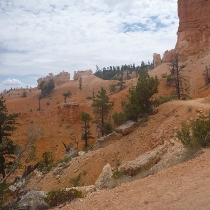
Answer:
(42, 36)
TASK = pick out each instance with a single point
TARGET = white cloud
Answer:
(50, 36)
(12, 82)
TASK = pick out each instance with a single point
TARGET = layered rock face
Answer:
(194, 27)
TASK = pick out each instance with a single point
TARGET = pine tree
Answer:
(86, 134)
(139, 98)
(176, 80)
(7, 147)
(101, 106)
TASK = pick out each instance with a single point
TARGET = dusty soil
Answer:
(185, 186)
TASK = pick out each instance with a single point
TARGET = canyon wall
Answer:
(193, 34)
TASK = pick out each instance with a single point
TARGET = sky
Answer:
(39, 37)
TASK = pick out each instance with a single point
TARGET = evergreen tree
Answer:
(80, 83)
(121, 82)
(176, 80)
(113, 88)
(101, 106)
(7, 147)
(46, 87)
(139, 102)
(86, 134)
(65, 95)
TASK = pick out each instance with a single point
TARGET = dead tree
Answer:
(176, 80)
(67, 147)
(29, 169)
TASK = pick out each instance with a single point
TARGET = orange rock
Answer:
(194, 27)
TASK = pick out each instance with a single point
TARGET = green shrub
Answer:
(57, 197)
(117, 174)
(107, 128)
(75, 181)
(3, 193)
(89, 97)
(119, 118)
(163, 99)
(196, 135)
(46, 163)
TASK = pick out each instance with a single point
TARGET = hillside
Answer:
(170, 183)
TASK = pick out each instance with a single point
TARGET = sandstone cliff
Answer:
(193, 34)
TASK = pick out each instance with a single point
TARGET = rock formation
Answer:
(157, 59)
(194, 27)
(79, 74)
(168, 55)
(71, 111)
(193, 35)
(58, 79)
(104, 177)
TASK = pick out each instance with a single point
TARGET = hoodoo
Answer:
(193, 34)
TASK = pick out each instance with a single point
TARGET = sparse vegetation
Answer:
(47, 162)
(163, 99)
(196, 134)
(57, 197)
(75, 181)
(117, 174)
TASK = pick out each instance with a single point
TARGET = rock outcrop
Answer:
(143, 162)
(71, 111)
(58, 79)
(79, 74)
(157, 59)
(104, 177)
(194, 27)
(32, 200)
(168, 55)
(106, 140)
